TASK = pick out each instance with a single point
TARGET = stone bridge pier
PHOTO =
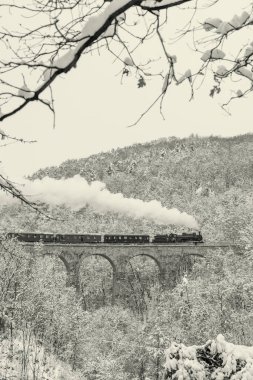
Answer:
(171, 260)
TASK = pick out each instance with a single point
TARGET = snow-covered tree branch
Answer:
(60, 32)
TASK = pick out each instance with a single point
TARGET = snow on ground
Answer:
(28, 359)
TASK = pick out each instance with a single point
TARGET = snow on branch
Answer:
(60, 45)
(51, 43)
(162, 4)
(92, 30)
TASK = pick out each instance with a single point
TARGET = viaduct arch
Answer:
(170, 258)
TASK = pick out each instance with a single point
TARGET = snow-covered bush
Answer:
(217, 359)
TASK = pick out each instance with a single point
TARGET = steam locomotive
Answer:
(171, 238)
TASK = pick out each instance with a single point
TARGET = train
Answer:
(172, 238)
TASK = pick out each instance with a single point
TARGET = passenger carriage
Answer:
(126, 239)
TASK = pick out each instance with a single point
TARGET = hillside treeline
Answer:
(168, 168)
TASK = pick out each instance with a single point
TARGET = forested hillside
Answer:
(168, 168)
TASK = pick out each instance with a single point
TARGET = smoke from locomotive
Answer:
(77, 193)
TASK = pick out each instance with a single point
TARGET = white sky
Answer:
(93, 110)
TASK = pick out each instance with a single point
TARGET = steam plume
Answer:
(76, 193)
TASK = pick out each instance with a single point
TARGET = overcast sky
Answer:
(93, 110)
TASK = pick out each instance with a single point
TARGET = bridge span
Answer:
(171, 259)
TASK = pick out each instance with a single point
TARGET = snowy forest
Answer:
(201, 328)
(153, 333)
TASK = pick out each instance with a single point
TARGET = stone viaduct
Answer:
(171, 259)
